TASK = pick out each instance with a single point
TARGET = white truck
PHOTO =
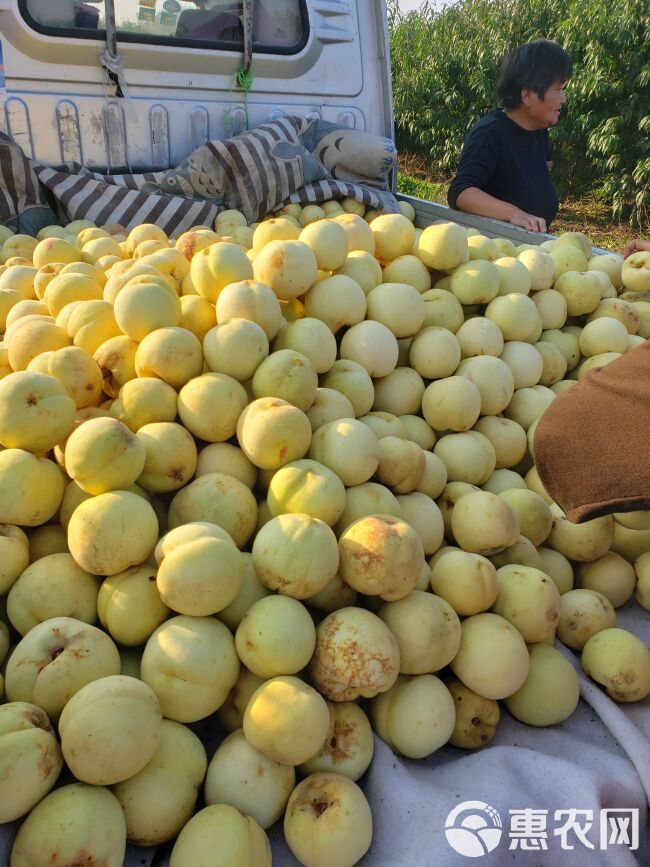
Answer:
(134, 85)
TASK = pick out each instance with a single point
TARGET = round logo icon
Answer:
(473, 829)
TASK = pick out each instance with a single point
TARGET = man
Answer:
(504, 170)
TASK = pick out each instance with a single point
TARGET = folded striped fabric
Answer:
(290, 159)
(23, 201)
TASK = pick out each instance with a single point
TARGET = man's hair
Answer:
(534, 66)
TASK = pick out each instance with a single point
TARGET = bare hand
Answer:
(636, 246)
(527, 221)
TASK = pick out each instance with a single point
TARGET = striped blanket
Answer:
(291, 159)
(24, 206)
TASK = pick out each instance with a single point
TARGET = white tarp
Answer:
(599, 759)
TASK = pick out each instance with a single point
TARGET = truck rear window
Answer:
(279, 26)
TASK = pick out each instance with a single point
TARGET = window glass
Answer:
(53, 13)
(277, 24)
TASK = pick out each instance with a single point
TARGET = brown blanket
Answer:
(592, 445)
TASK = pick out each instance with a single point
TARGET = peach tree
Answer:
(445, 61)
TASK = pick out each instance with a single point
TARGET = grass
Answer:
(421, 189)
(416, 178)
(594, 219)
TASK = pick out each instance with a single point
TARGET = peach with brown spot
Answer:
(381, 555)
(356, 655)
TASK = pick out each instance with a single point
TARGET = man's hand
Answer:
(476, 201)
(636, 246)
(527, 221)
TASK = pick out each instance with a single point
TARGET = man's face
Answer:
(545, 112)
